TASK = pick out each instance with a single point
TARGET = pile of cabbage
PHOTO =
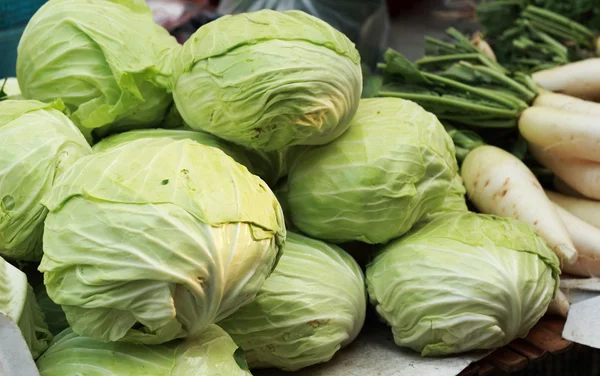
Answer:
(184, 210)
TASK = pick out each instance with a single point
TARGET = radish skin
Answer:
(483, 46)
(580, 79)
(559, 305)
(499, 183)
(586, 210)
(561, 132)
(566, 103)
(581, 175)
(587, 242)
(564, 188)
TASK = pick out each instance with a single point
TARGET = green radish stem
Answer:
(499, 183)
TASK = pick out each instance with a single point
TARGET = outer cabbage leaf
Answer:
(210, 353)
(462, 282)
(269, 166)
(107, 60)
(38, 144)
(313, 304)
(10, 87)
(394, 165)
(268, 80)
(156, 239)
(55, 317)
(17, 301)
(455, 200)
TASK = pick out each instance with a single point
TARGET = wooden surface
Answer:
(544, 340)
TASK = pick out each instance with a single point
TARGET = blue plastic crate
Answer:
(9, 41)
(16, 13)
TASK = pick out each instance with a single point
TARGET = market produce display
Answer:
(234, 204)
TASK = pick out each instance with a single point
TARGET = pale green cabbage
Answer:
(106, 59)
(268, 79)
(55, 317)
(17, 301)
(313, 304)
(455, 200)
(269, 166)
(463, 281)
(37, 144)
(156, 239)
(394, 165)
(10, 87)
(212, 353)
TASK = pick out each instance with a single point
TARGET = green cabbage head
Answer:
(211, 353)
(312, 305)
(462, 282)
(37, 144)
(268, 79)
(394, 165)
(55, 317)
(106, 59)
(10, 87)
(17, 301)
(269, 166)
(157, 239)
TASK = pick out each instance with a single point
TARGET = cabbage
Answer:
(17, 301)
(270, 166)
(394, 165)
(156, 239)
(38, 143)
(463, 282)
(212, 353)
(54, 315)
(268, 79)
(313, 304)
(455, 200)
(9, 87)
(106, 59)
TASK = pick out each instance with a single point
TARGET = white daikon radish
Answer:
(586, 210)
(587, 242)
(564, 188)
(499, 183)
(566, 103)
(580, 79)
(569, 134)
(559, 305)
(581, 175)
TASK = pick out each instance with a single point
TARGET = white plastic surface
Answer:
(583, 323)
(15, 358)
